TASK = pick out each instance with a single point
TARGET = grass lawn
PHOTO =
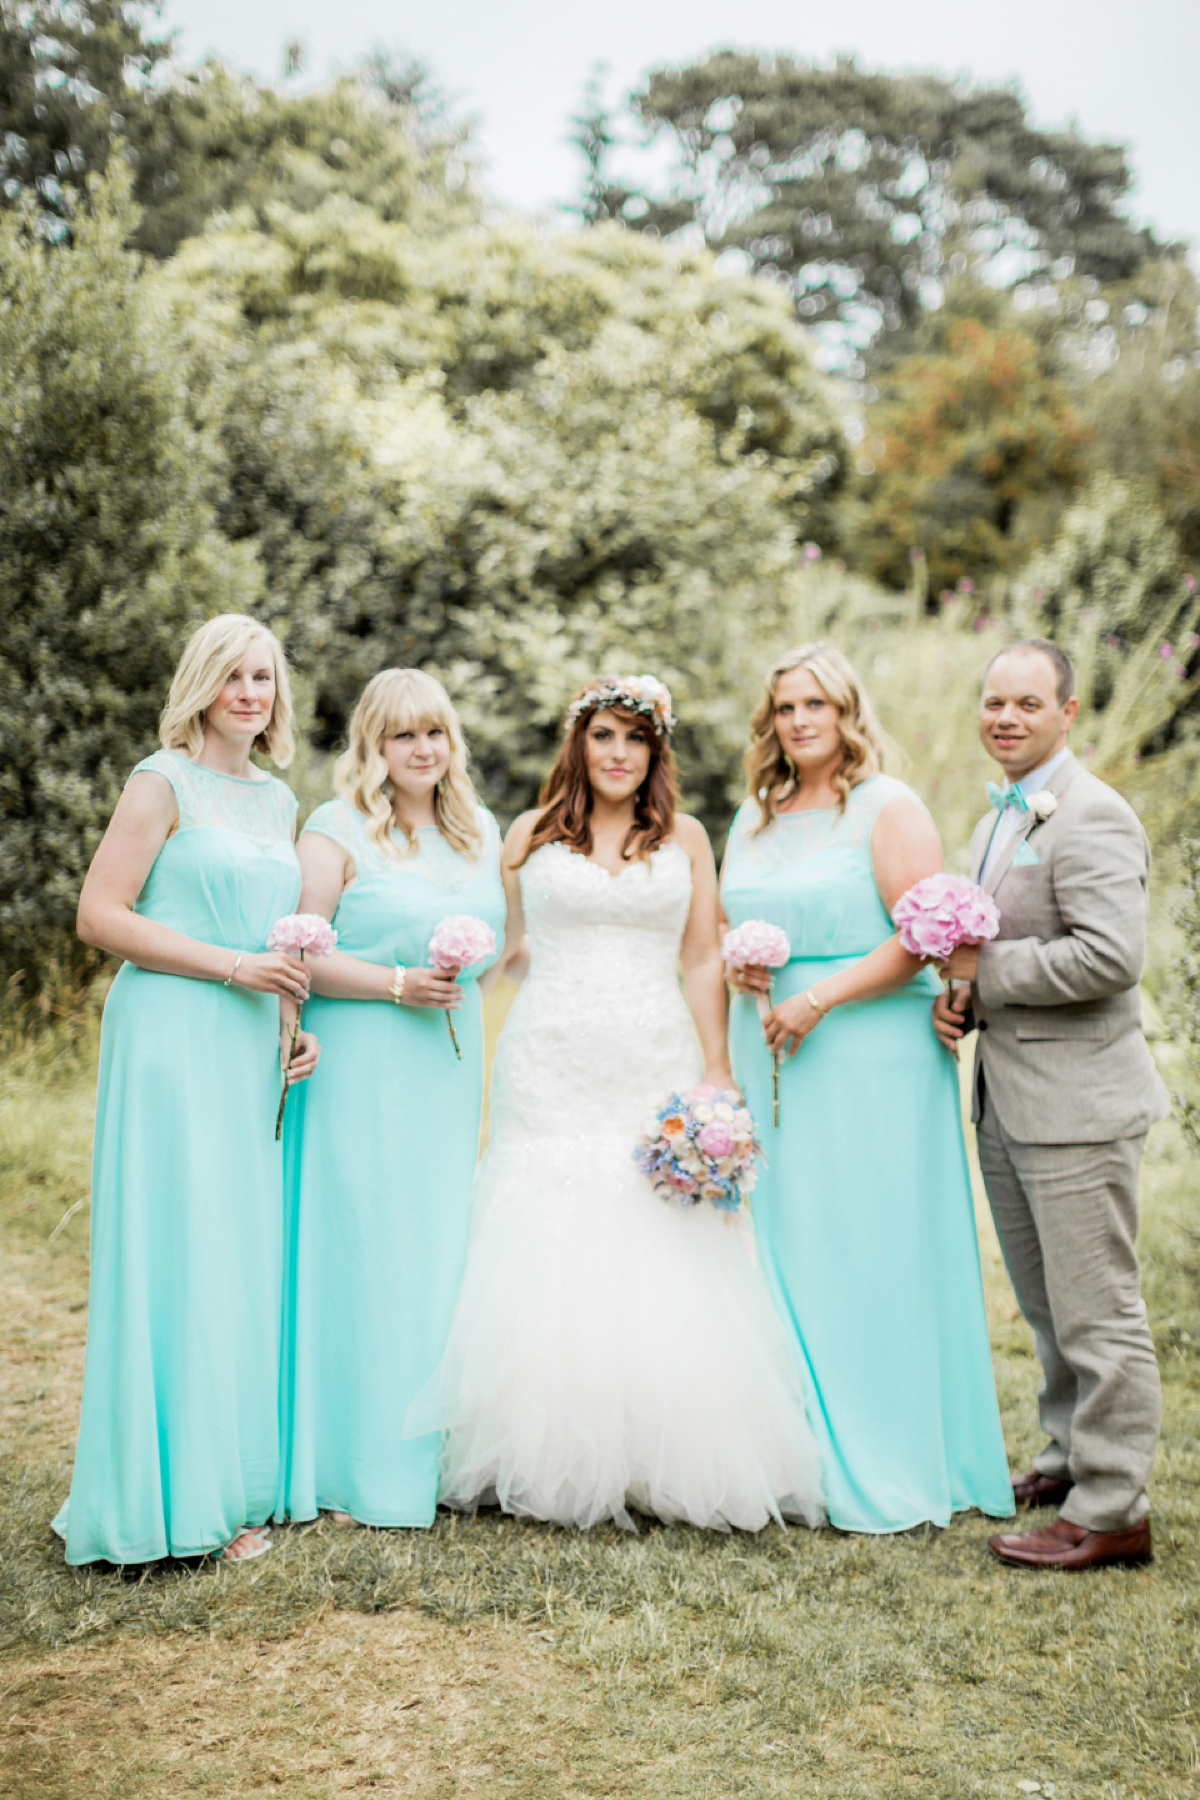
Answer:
(491, 1657)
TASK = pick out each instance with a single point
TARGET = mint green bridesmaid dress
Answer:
(380, 1149)
(863, 1214)
(178, 1439)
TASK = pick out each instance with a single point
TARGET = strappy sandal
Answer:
(253, 1542)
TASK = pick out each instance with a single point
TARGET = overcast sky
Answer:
(1124, 70)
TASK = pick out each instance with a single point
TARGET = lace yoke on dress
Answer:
(432, 860)
(261, 810)
(792, 837)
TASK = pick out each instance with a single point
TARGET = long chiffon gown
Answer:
(864, 1214)
(610, 1352)
(179, 1439)
(380, 1154)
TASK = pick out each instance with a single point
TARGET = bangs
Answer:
(413, 701)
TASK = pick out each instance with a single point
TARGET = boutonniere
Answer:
(1043, 804)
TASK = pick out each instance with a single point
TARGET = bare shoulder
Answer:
(147, 802)
(516, 841)
(903, 818)
(691, 836)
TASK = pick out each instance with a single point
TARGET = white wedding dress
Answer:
(610, 1350)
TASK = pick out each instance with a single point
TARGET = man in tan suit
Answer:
(1065, 1091)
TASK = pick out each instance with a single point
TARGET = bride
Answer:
(610, 1351)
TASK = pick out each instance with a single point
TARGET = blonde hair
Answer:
(212, 654)
(405, 700)
(866, 749)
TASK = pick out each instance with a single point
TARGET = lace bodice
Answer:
(599, 1032)
(389, 911)
(261, 809)
(230, 869)
(811, 873)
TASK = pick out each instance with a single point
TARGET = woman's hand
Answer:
(272, 972)
(432, 987)
(307, 1054)
(787, 1025)
(754, 979)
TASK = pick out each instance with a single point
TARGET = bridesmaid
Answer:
(381, 1151)
(864, 1212)
(178, 1451)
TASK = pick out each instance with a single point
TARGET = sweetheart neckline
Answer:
(638, 862)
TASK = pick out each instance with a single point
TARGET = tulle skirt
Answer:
(612, 1353)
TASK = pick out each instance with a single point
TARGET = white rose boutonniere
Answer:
(1042, 805)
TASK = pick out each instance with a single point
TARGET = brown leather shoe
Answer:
(1035, 1489)
(1066, 1546)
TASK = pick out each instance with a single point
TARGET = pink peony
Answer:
(303, 932)
(459, 941)
(717, 1138)
(756, 944)
(938, 914)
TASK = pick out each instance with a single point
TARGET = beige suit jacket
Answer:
(1056, 1001)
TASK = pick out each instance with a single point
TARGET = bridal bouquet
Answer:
(758, 945)
(297, 933)
(938, 914)
(700, 1146)
(457, 942)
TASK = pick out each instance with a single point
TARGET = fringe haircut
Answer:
(406, 700)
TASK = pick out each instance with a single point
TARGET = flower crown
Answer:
(635, 693)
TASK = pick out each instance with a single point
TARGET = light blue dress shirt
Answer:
(1008, 823)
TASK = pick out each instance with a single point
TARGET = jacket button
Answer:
(983, 1024)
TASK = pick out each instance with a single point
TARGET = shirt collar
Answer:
(1035, 781)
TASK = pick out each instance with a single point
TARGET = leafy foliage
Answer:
(75, 75)
(971, 450)
(107, 552)
(514, 459)
(1188, 977)
(863, 191)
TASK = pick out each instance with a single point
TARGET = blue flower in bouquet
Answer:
(700, 1145)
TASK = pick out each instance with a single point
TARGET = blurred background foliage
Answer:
(882, 361)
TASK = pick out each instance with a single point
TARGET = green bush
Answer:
(108, 551)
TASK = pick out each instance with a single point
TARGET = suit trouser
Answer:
(1066, 1216)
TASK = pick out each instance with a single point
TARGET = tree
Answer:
(512, 457)
(972, 450)
(78, 77)
(863, 191)
(108, 553)
(75, 76)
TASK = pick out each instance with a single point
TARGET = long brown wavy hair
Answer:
(866, 748)
(567, 793)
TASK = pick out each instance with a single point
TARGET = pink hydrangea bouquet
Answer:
(457, 942)
(700, 1146)
(755, 944)
(938, 914)
(298, 934)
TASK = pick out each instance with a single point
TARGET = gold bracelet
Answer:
(398, 983)
(816, 1004)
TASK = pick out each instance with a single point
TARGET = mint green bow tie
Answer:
(1002, 797)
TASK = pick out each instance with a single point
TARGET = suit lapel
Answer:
(1000, 867)
(1066, 771)
(981, 837)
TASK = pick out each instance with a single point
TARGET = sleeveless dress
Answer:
(380, 1152)
(609, 1350)
(179, 1437)
(864, 1214)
